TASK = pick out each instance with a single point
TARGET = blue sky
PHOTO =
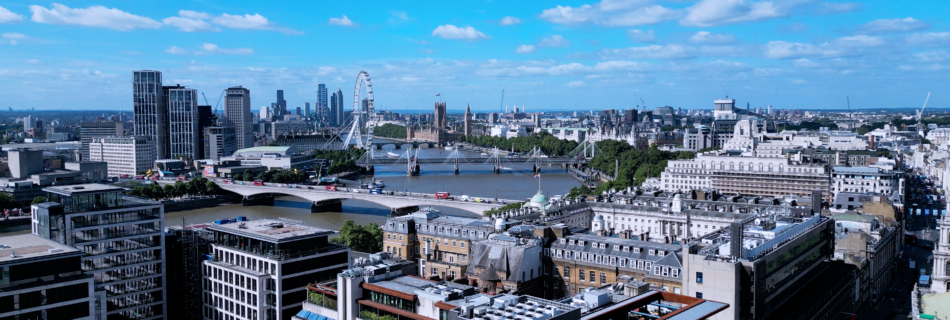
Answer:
(566, 55)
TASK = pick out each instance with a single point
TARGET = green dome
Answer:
(539, 198)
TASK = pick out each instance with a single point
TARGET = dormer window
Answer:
(571, 242)
(636, 250)
(616, 247)
(603, 246)
(563, 241)
(652, 252)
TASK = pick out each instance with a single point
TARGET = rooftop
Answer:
(72, 190)
(270, 229)
(28, 246)
(264, 149)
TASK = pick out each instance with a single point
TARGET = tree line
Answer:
(341, 160)
(194, 187)
(549, 144)
(632, 166)
(390, 130)
(275, 175)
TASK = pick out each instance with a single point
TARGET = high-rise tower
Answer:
(183, 134)
(151, 113)
(336, 108)
(321, 97)
(237, 108)
(281, 104)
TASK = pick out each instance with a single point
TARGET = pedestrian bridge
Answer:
(397, 201)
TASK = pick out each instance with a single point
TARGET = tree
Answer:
(39, 200)
(367, 238)
(8, 202)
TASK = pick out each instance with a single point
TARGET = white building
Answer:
(939, 136)
(123, 155)
(865, 179)
(260, 269)
(184, 138)
(237, 110)
(220, 142)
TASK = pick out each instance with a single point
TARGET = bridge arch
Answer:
(393, 202)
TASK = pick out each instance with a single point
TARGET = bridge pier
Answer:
(414, 171)
(398, 146)
(456, 169)
(536, 168)
(496, 169)
(403, 211)
(332, 205)
(264, 199)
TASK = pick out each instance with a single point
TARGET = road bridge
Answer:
(413, 163)
(319, 196)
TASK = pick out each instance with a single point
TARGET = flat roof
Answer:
(84, 188)
(264, 149)
(270, 229)
(28, 246)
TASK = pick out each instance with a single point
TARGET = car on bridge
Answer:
(258, 183)
(442, 195)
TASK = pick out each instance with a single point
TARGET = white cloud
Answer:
(189, 24)
(708, 13)
(449, 31)
(833, 8)
(194, 14)
(17, 36)
(894, 25)
(34, 61)
(210, 48)
(575, 84)
(525, 48)
(344, 21)
(841, 47)
(673, 51)
(932, 56)
(94, 16)
(640, 36)
(250, 21)
(706, 37)
(7, 16)
(176, 50)
(611, 14)
(554, 41)
(799, 81)
(931, 39)
(398, 15)
(509, 21)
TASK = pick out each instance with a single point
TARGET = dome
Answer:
(500, 224)
(598, 218)
(539, 198)
(678, 197)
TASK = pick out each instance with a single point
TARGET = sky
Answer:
(545, 55)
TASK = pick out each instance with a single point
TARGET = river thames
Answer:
(474, 181)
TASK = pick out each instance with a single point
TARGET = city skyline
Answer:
(574, 55)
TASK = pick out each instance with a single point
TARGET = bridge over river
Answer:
(326, 200)
(411, 160)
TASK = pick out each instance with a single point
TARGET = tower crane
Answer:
(205, 97)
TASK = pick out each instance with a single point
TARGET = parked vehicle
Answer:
(465, 198)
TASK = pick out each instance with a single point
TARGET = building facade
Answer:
(151, 113)
(442, 244)
(97, 129)
(123, 155)
(731, 173)
(261, 269)
(865, 179)
(183, 135)
(43, 279)
(237, 110)
(121, 237)
(336, 109)
(219, 142)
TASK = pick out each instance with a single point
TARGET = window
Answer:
(592, 274)
(603, 277)
(699, 277)
(652, 252)
(453, 243)
(580, 275)
(462, 244)
(699, 295)
(400, 238)
(676, 273)
(567, 273)
(623, 262)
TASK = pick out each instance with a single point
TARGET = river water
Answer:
(474, 181)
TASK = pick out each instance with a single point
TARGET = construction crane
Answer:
(205, 97)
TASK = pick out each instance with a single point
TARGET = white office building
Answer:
(260, 269)
(237, 110)
(123, 155)
(865, 179)
(184, 138)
